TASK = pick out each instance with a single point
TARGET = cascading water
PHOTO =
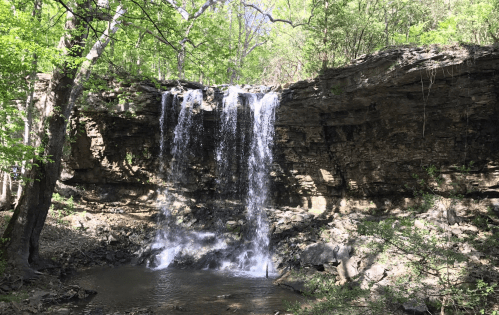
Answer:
(224, 154)
(171, 239)
(253, 254)
(165, 96)
(164, 99)
(186, 136)
(257, 257)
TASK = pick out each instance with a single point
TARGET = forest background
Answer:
(268, 42)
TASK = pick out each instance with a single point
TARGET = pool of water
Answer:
(175, 291)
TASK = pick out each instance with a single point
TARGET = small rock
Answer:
(415, 307)
(61, 311)
(320, 253)
(109, 257)
(456, 231)
(111, 239)
(347, 269)
(451, 216)
(376, 273)
(330, 269)
(420, 224)
(297, 218)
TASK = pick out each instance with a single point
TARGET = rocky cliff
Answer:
(365, 129)
(355, 133)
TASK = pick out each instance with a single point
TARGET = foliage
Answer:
(17, 46)
(14, 297)
(3, 262)
(429, 190)
(235, 42)
(129, 158)
(430, 254)
(61, 206)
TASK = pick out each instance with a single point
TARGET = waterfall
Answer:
(186, 136)
(257, 257)
(252, 161)
(171, 239)
(164, 99)
(225, 153)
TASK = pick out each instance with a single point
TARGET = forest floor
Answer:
(90, 236)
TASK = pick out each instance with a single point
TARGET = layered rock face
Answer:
(360, 131)
(366, 129)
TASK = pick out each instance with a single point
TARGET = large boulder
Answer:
(325, 253)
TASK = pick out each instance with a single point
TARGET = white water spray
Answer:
(172, 239)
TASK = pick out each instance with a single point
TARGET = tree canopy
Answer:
(215, 42)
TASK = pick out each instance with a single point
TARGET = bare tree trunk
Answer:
(325, 39)
(181, 52)
(180, 61)
(37, 13)
(6, 196)
(387, 38)
(23, 231)
(111, 55)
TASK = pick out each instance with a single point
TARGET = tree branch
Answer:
(254, 46)
(92, 57)
(151, 33)
(280, 20)
(154, 24)
(83, 18)
(186, 15)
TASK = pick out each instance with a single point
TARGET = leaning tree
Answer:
(21, 237)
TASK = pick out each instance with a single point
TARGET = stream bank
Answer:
(304, 247)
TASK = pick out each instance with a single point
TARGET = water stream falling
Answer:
(243, 156)
(225, 154)
(171, 239)
(257, 257)
(164, 100)
(252, 254)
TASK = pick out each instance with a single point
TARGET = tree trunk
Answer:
(6, 196)
(37, 14)
(325, 38)
(23, 231)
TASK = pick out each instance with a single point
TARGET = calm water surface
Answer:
(174, 291)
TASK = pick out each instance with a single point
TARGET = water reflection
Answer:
(169, 291)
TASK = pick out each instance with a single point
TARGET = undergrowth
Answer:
(61, 207)
(437, 275)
